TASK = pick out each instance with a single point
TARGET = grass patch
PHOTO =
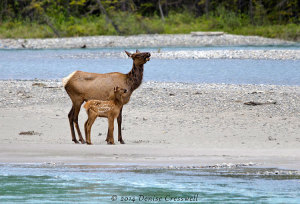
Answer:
(131, 24)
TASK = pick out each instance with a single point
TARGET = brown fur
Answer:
(107, 109)
(84, 86)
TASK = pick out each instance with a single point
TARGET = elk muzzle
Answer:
(147, 56)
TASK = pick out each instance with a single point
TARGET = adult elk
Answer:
(84, 86)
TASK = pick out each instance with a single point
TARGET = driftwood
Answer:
(207, 33)
(253, 103)
(30, 133)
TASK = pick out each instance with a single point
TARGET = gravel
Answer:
(209, 98)
(160, 41)
(140, 41)
(277, 54)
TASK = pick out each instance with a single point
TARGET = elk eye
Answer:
(125, 90)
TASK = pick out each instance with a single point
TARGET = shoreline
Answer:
(165, 124)
(111, 157)
(141, 41)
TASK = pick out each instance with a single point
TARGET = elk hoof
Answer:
(110, 143)
(89, 143)
(82, 141)
(75, 141)
(122, 141)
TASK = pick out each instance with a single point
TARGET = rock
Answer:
(271, 138)
(253, 103)
(39, 84)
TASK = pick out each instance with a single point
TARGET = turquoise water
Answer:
(56, 64)
(37, 183)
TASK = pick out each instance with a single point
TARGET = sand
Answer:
(164, 125)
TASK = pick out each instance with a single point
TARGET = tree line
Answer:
(258, 12)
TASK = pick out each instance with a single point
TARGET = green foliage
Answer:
(288, 32)
(51, 18)
(259, 14)
(86, 26)
(147, 9)
(20, 29)
(224, 18)
(77, 2)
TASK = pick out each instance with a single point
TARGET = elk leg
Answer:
(119, 119)
(70, 116)
(85, 130)
(110, 134)
(107, 136)
(75, 118)
(88, 127)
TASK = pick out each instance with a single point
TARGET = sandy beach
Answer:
(164, 125)
(172, 125)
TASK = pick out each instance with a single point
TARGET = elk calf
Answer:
(107, 109)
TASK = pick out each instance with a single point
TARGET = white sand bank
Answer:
(164, 124)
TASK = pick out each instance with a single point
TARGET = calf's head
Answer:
(119, 92)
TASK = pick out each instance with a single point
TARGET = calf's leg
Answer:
(119, 119)
(110, 134)
(88, 126)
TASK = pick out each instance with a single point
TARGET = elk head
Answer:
(139, 58)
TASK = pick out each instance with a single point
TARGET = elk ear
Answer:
(128, 53)
(137, 51)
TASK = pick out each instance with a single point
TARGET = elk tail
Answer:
(67, 79)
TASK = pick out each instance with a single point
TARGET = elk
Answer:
(107, 109)
(84, 86)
